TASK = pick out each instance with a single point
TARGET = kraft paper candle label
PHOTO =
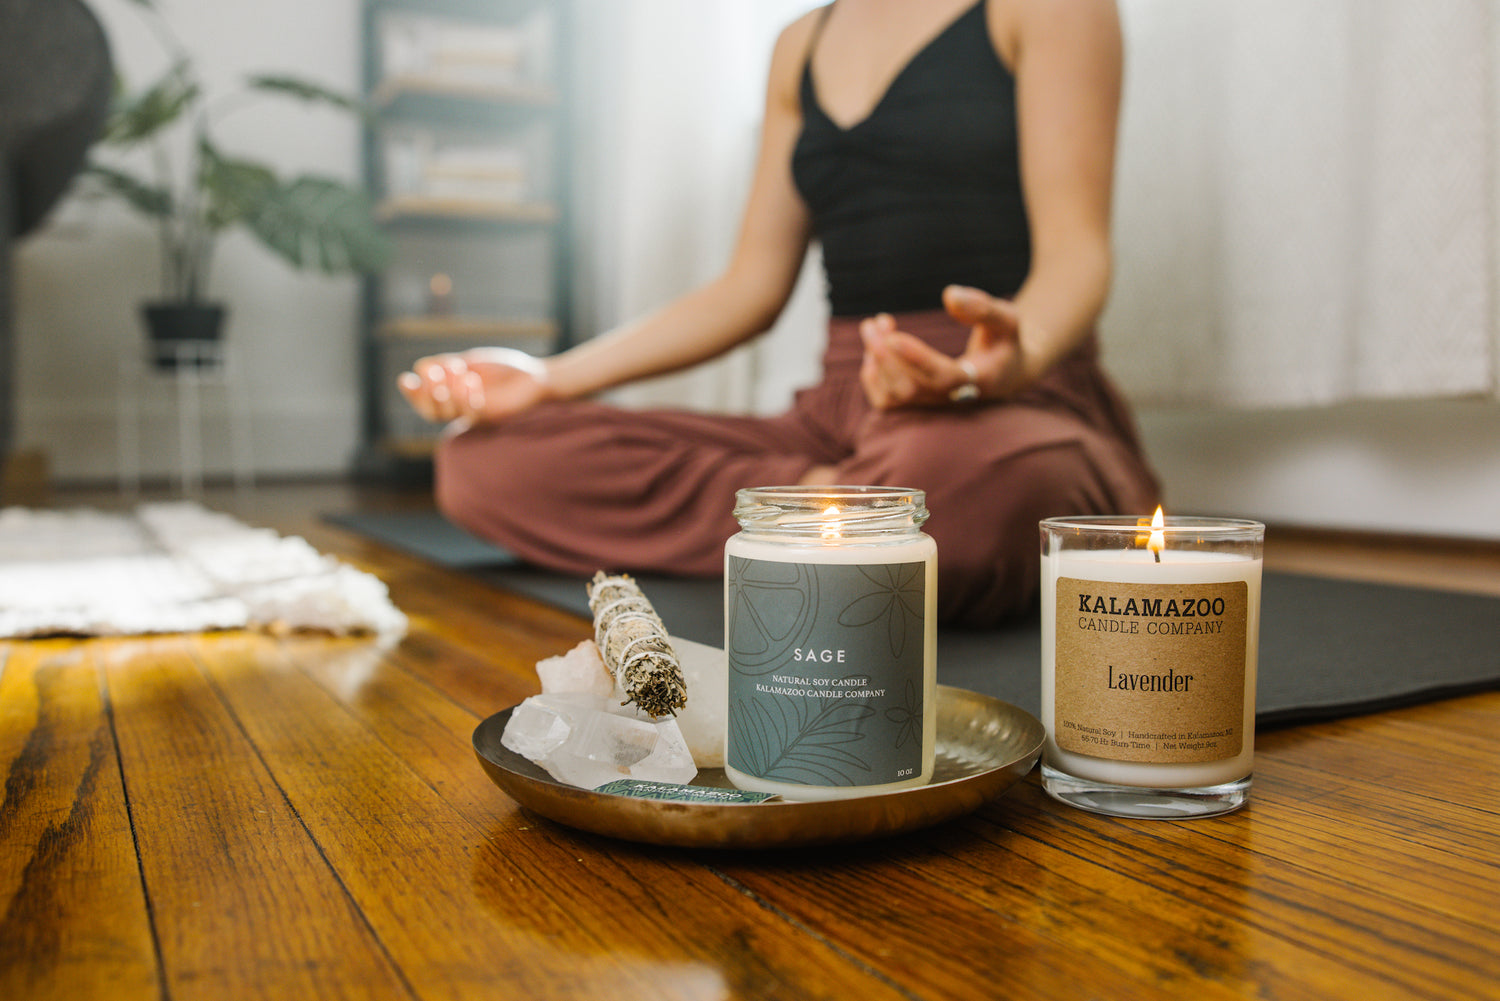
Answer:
(1150, 672)
(826, 670)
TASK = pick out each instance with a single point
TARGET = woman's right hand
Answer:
(478, 386)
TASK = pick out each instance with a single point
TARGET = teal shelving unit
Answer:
(466, 156)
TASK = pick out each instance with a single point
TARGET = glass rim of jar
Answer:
(1205, 528)
(805, 509)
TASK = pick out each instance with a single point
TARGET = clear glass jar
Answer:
(830, 626)
(1150, 637)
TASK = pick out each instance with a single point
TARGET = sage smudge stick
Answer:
(633, 641)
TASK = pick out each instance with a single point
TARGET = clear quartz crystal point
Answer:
(586, 741)
(581, 669)
(543, 723)
(702, 720)
(622, 745)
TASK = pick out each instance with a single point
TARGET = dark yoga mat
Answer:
(426, 534)
(1328, 648)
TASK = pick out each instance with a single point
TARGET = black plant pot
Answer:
(183, 332)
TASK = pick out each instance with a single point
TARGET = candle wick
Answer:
(1157, 554)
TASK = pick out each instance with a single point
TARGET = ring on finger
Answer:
(968, 391)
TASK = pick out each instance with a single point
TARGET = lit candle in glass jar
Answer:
(1150, 637)
(830, 614)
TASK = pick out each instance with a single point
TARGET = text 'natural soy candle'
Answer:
(1150, 634)
(830, 615)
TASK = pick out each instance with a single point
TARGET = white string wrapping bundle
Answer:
(633, 642)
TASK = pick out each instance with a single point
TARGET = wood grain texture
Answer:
(239, 815)
(73, 913)
(240, 891)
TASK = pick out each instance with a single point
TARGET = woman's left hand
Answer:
(900, 370)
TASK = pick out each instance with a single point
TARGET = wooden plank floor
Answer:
(240, 815)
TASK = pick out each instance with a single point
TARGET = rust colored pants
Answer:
(583, 486)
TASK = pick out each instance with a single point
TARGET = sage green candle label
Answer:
(1150, 672)
(826, 670)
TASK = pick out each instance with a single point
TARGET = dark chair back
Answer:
(56, 79)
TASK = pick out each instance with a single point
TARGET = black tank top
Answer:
(925, 191)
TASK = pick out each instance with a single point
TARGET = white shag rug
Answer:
(175, 567)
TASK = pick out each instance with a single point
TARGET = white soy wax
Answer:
(830, 632)
(1149, 654)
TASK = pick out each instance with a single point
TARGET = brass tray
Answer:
(984, 746)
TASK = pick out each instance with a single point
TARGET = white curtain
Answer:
(670, 96)
(1306, 202)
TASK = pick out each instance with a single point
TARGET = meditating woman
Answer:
(954, 159)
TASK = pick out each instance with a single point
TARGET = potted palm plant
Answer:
(193, 190)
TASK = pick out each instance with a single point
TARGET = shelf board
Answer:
(468, 328)
(400, 208)
(409, 448)
(528, 96)
(487, 11)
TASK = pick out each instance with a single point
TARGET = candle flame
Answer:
(831, 528)
(1158, 540)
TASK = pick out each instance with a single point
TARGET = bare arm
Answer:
(744, 300)
(1066, 56)
(1068, 61)
(750, 293)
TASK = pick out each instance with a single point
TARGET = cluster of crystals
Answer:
(580, 733)
(584, 741)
